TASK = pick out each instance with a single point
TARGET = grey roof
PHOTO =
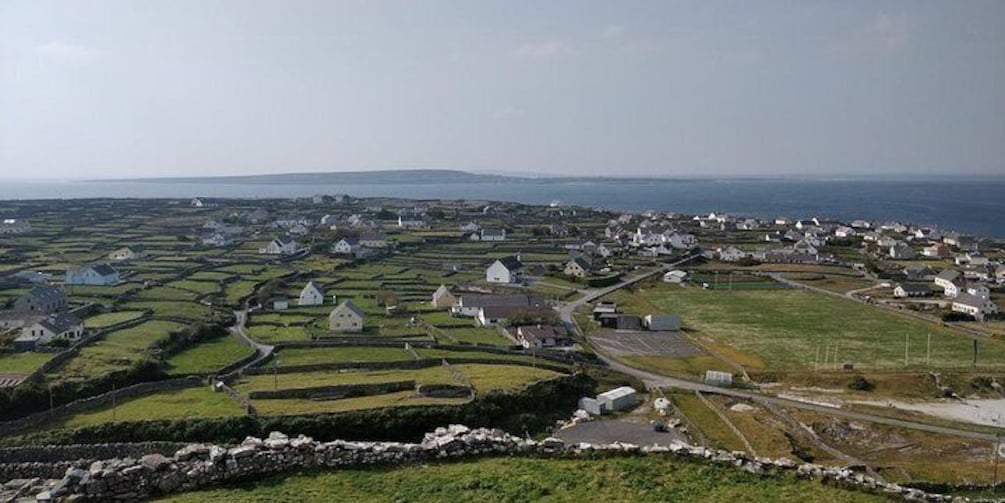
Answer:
(60, 323)
(516, 300)
(949, 275)
(45, 293)
(493, 232)
(511, 262)
(350, 306)
(103, 269)
(312, 284)
(970, 300)
(915, 288)
(543, 332)
(583, 263)
(372, 236)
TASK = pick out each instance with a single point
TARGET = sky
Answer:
(108, 88)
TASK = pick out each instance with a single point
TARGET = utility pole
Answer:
(928, 351)
(907, 347)
(730, 280)
(113, 402)
(816, 361)
(716, 288)
(275, 375)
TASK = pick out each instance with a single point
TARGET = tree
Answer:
(387, 298)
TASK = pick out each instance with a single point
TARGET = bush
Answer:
(860, 383)
(956, 316)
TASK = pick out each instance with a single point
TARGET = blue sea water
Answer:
(972, 206)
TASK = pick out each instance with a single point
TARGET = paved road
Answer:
(652, 380)
(264, 350)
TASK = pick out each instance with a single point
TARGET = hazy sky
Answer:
(187, 87)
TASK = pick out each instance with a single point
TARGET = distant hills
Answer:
(381, 177)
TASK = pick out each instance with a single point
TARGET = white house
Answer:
(731, 254)
(97, 274)
(373, 239)
(56, 326)
(282, 245)
(493, 235)
(950, 281)
(217, 240)
(906, 290)
(14, 226)
(122, 254)
(470, 227)
(507, 270)
(196, 203)
(978, 307)
(312, 295)
(542, 336)
(346, 246)
(675, 276)
(346, 317)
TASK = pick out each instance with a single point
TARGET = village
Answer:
(165, 312)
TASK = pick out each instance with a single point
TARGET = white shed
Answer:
(621, 398)
(716, 378)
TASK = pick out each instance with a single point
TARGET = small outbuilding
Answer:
(622, 398)
(662, 322)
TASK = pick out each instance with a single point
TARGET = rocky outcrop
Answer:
(200, 465)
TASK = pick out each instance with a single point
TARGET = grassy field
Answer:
(711, 425)
(176, 404)
(648, 478)
(276, 407)
(784, 329)
(482, 377)
(208, 356)
(107, 319)
(341, 354)
(22, 363)
(116, 351)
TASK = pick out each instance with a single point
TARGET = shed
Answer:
(662, 322)
(591, 405)
(621, 398)
(716, 378)
(280, 303)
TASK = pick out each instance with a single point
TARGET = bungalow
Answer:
(490, 316)
(41, 299)
(14, 226)
(805, 224)
(507, 270)
(373, 239)
(886, 242)
(122, 254)
(662, 322)
(844, 232)
(312, 295)
(346, 246)
(805, 247)
(493, 235)
(748, 224)
(950, 281)
(443, 299)
(773, 237)
(906, 290)
(578, 267)
(731, 254)
(901, 251)
(542, 336)
(58, 326)
(604, 307)
(217, 240)
(675, 276)
(282, 245)
(978, 307)
(97, 274)
(471, 304)
(346, 318)
(937, 250)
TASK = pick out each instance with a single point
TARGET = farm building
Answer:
(346, 318)
(657, 322)
(443, 299)
(622, 398)
(675, 276)
(905, 290)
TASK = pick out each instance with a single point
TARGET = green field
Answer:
(279, 407)
(116, 351)
(783, 329)
(22, 363)
(176, 404)
(107, 319)
(518, 479)
(341, 354)
(208, 356)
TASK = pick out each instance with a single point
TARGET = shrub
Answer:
(860, 383)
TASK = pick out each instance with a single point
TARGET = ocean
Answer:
(970, 206)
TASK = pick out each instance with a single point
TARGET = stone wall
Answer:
(336, 391)
(94, 402)
(445, 391)
(403, 364)
(201, 465)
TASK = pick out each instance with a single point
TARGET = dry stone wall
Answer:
(200, 465)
